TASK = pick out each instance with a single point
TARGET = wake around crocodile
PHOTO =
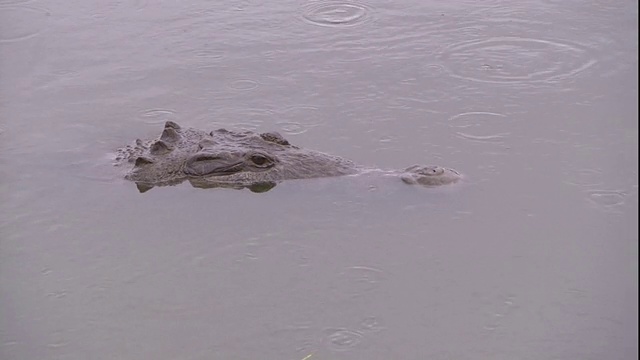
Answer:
(238, 160)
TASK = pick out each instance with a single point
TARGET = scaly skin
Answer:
(246, 159)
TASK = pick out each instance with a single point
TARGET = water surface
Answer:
(533, 256)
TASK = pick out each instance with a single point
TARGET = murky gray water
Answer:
(533, 256)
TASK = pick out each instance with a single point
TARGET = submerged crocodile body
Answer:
(246, 159)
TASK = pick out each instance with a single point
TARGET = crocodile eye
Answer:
(259, 159)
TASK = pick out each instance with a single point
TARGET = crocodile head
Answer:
(224, 158)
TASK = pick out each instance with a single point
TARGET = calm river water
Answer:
(533, 256)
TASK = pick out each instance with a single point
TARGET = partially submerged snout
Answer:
(431, 175)
(224, 158)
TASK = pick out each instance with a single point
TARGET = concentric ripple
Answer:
(157, 116)
(515, 60)
(480, 126)
(21, 23)
(205, 57)
(370, 324)
(243, 85)
(343, 339)
(299, 119)
(606, 198)
(336, 13)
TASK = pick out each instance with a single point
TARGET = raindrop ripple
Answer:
(515, 60)
(335, 14)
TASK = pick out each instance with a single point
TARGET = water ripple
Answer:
(370, 324)
(515, 60)
(336, 14)
(584, 177)
(205, 57)
(299, 119)
(242, 119)
(343, 339)
(157, 116)
(607, 199)
(497, 318)
(433, 70)
(357, 281)
(13, 2)
(480, 126)
(21, 23)
(243, 85)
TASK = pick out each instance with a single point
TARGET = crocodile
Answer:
(244, 159)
